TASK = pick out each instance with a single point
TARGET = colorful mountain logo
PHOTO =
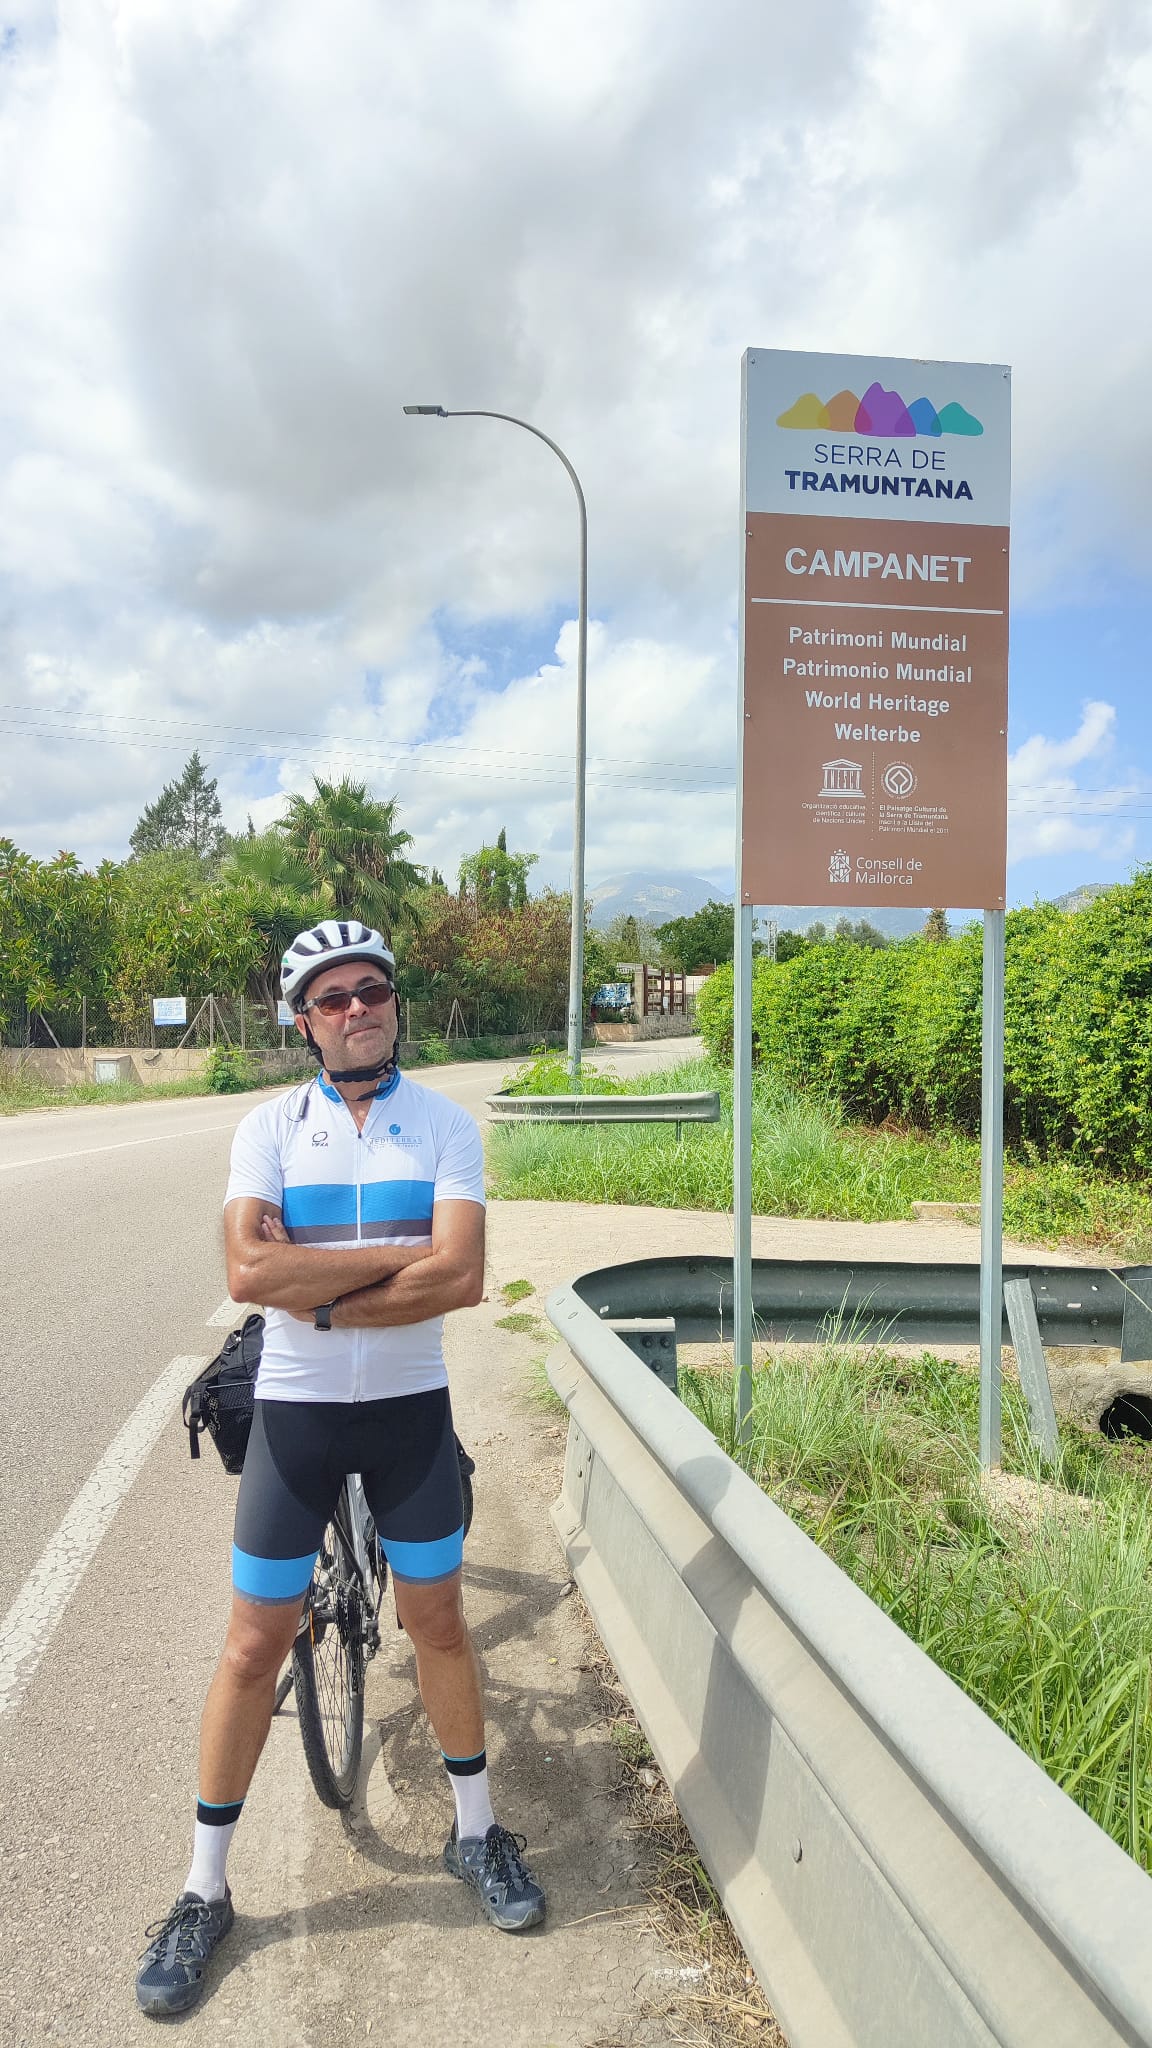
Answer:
(881, 413)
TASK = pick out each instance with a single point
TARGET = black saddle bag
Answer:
(220, 1399)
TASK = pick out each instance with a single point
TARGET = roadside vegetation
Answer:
(1031, 1588)
(806, 1161)
(197, 911)
(893, 1033)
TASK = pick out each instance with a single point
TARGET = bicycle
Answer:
(338, 1636)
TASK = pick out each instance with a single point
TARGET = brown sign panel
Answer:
(875, 765)
(875, 699)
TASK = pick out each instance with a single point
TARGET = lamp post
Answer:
(576, 955)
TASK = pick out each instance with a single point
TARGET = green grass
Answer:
(546, 1073)
(522, 1323)
(1046, 1624)
(17, 1096)
(435, 1051)
(516, 1290)
(541, 1392)
(806, 1163)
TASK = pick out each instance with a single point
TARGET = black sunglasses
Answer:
(373, 995)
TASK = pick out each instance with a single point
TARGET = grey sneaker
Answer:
(171, 1976)
(492, 1865)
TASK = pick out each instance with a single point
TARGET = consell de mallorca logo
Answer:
(879, 412)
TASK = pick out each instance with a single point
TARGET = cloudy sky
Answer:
(235, 238)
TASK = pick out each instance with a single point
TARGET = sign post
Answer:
(874, 691)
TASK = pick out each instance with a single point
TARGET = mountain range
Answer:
(674, 892)
(656, 897)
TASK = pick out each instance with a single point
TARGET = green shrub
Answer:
(229, 1071)
(895, 1033)
(546, 1073)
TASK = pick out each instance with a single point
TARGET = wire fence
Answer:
(242, 1021)
(212, 1020)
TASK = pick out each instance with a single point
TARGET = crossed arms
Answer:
(373, 1285)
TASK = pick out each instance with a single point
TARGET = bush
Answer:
(228, 1071)
(896, 1033)
(546, 1073)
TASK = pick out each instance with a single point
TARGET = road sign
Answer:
(169, 1010)
(875, 660)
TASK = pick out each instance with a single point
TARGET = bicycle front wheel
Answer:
(328, 1659)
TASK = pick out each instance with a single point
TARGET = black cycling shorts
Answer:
(298, 1456)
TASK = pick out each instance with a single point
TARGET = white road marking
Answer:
(227, 1315)
(32, 1620)
(121, 1145)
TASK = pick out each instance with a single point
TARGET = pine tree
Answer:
(185, 818)
(936, 926)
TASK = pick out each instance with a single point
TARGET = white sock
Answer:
(469, 1779)
(215, 1827)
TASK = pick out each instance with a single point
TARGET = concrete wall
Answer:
(652, 1027)
(53, 1067)
(68, 1067)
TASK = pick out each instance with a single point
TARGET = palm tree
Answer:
(354, 850)
(280, 896)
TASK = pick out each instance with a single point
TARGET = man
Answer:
(355, 1214)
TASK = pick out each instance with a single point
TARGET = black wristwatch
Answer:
(322, 1316)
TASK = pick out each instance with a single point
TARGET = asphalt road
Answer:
(114, 1584)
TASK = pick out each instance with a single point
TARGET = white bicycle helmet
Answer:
(330, 944)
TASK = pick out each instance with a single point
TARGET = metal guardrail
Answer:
(900, 1873)
(803, 1300)
(700, 1106)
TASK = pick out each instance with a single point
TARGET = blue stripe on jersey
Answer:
(322, 1202)
(271, 1578)
(386, 1201)
(427, 1561)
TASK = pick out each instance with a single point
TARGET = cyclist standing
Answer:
(355, 1215)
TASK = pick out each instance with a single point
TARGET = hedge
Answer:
(896, 1032)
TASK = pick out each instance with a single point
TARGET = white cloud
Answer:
(237, 238)
(1050, 812)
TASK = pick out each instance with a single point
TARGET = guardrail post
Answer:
(1136, 1332)
(1021, 1307)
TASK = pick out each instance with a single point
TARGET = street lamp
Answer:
(576, 956)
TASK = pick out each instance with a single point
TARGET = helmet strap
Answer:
(374, 1073)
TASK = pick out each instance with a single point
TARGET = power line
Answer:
(189, 726)
(356, 752)
(513, 765)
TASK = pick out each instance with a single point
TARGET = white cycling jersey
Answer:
(336, 1185)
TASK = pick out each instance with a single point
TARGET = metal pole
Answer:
(576, 949)
(742, 1165)
(83, 1023)
(745, 919)
(992, 1189)
(242, 1022)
